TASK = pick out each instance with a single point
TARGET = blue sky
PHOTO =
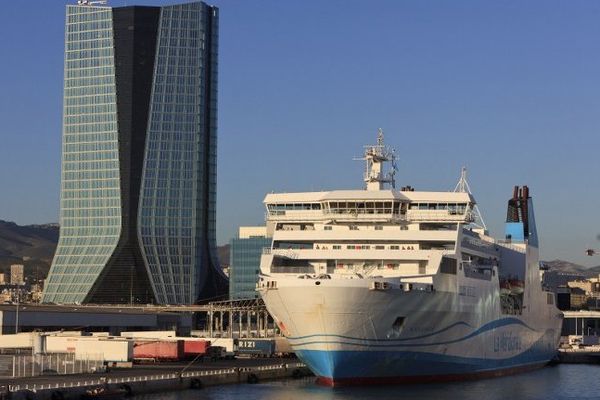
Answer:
(510, 89)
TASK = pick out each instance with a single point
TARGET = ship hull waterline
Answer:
(346, 336)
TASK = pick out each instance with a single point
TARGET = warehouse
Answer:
(111, 319)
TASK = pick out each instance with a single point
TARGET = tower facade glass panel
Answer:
(139, 157)
(90, 195)
(244, 257)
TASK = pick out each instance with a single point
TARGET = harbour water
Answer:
(567, 381)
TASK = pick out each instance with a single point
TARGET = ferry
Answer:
(379, 285)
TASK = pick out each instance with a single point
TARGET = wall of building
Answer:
(244, 266)
(138, 192)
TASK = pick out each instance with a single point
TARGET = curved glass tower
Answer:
(138, 185)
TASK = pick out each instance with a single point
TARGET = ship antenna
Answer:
(374, 157)
(463, 187)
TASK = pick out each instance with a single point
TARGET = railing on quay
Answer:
(145, 378)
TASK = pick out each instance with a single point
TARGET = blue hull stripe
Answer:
(355, 364)
(460, 323)
(339, 364)
(398, 342)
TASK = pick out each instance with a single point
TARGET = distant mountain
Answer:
(31, 245)
(560, 272)
(34, 246)
(223, 252)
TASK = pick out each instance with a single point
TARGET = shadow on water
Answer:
(563, 382)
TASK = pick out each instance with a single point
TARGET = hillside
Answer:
(560, 272)
(32, 245)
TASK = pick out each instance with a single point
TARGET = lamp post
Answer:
(17, 313)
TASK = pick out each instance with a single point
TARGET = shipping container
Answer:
(257, 347)
(16, 341)
(90, 347)
(229, 344)
(150, 334)
(193, 348)
(158, 350)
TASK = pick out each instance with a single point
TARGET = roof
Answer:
(90, 309)
(349, 195)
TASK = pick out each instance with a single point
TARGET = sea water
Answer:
(567, 381)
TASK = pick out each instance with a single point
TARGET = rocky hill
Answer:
(32, 245)
(560, 272)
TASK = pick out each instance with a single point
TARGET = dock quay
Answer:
(579, 356)
(151, 378)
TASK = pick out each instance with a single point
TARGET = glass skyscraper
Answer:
(138, 186)
(244, 256)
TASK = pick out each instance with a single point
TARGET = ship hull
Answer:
(352, 335)
(413, 379)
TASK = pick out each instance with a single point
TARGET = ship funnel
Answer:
(520, 220)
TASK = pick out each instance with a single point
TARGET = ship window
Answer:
(423, 206)
(337, 247)
(378, 227)
(379, 247)
(422, 270)
(394, 247)
(327, 228)
(448, 266)
(353, 227)
(549, 298)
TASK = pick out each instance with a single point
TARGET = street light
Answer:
(17, 313)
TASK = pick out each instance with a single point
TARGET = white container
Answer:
(92, 348)
(17, 341)
(150, 334)
(230, 345)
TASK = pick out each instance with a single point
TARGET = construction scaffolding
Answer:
(237, 319)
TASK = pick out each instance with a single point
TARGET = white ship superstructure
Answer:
(385, 285)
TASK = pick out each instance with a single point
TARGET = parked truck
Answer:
(158, 350)
(256, 347)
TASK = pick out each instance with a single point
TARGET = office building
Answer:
(244, 259)
(17, 274)
(138, 186)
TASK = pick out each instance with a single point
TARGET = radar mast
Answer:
(375, 155)
(463, 187)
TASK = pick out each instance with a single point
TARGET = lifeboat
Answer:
(517, 286)
(504, 288)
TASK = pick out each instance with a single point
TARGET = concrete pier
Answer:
(152, 379)
(579, 356)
